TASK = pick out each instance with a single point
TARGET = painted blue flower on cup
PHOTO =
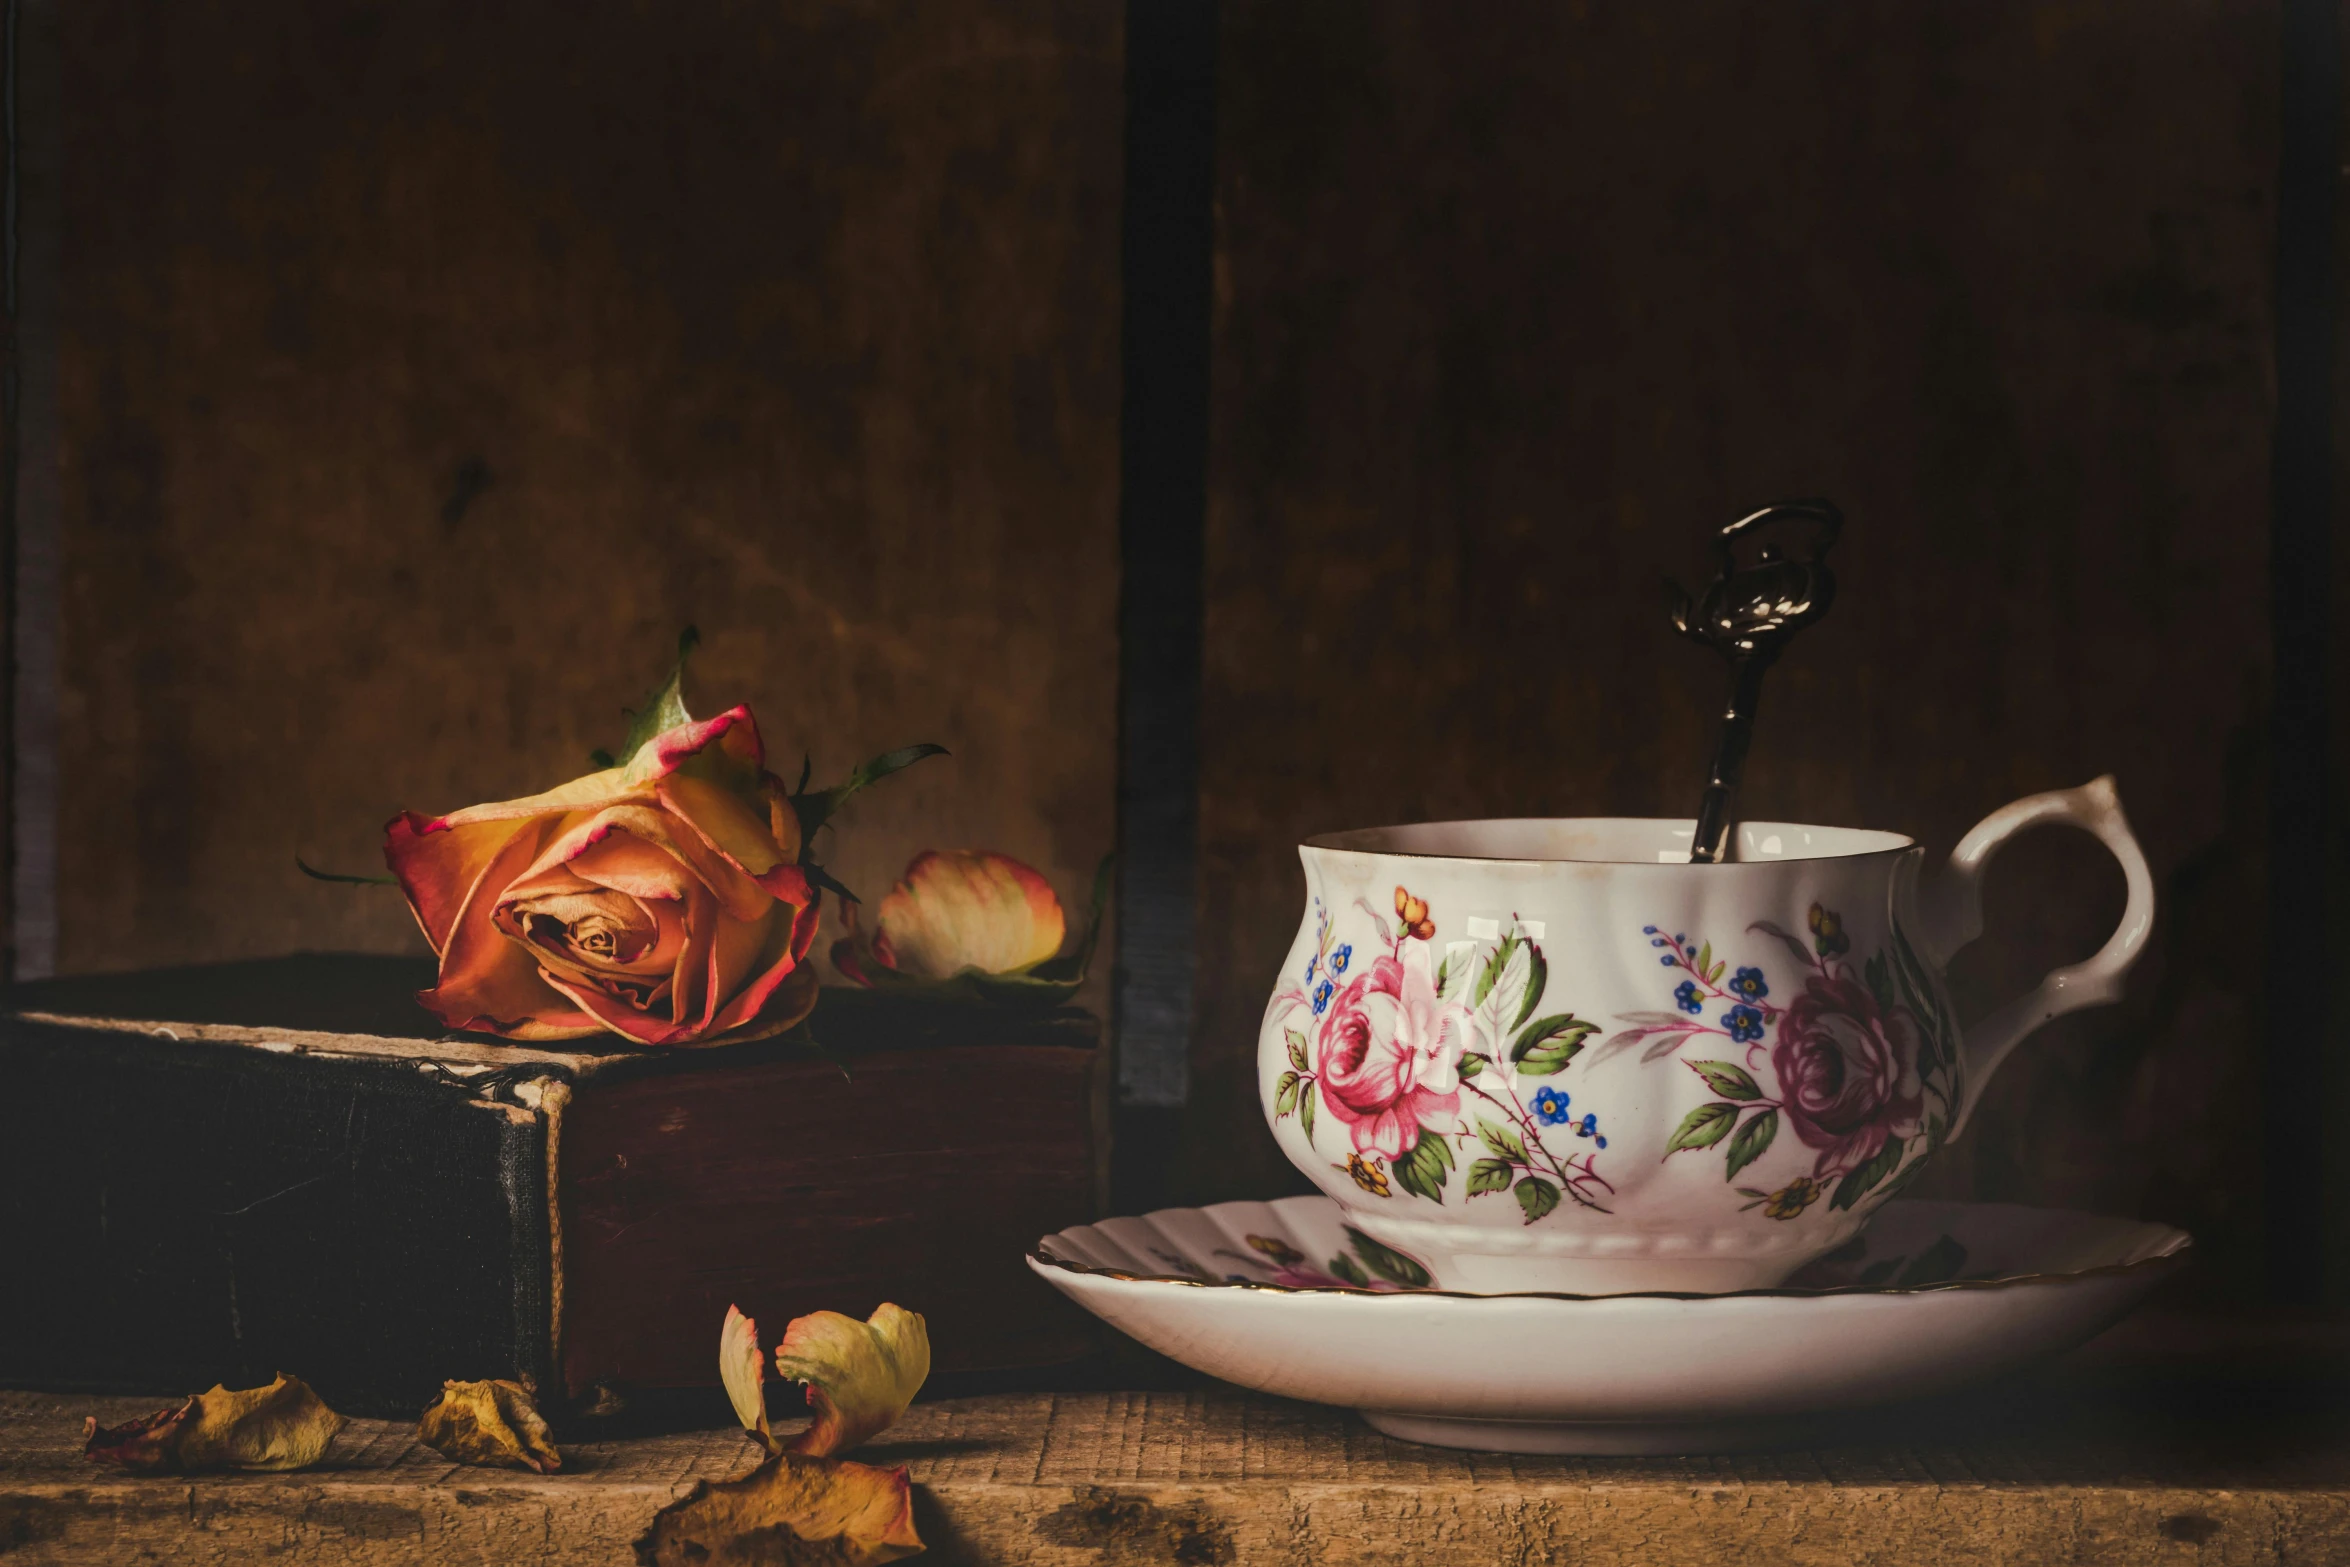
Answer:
(1689, 998)
(1340, 958)
(1748, 982)
(1550, 1107)
(1322, 994)
(1744, 1023)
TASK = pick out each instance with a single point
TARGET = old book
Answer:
(211, 1174)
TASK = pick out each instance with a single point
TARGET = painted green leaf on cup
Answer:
(1537, 1196)
(1495, 967)
(1503, 1140)
(1285, 1094)
(1879, 974)
(1752, 1138)
(1297, 1048)
(1422, 1171)
(1702, 1127)
(1471, 1066)
(1857, 1185)
(1350, 1270)
(1305, 1110)
(1537, 981)
(1387, 1262)
(1545, 1046)
(1727, 1078)
(1490, 1175)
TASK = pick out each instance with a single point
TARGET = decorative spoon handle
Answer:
(1749, 614)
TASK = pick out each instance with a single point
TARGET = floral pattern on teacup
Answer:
(1859, 1068)
(1410, 1043)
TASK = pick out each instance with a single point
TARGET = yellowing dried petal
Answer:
(959, 909)
(860, 1375)
(793, 1511)
(491, 1424)
(743, 1369)
(281, 1426)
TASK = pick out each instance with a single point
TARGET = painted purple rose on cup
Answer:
(1848, 1072)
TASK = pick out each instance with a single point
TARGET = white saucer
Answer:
(1271, 1296)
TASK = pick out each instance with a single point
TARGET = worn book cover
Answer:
(217, 1173)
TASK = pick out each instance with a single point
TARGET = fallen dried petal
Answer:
(860, 1375)
(742, 1368)
(489, 1423)
(281, 1426)
(791, 1511)
(147, 1445)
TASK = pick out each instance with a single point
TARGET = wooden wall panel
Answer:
(427, 366)
(1514, 306)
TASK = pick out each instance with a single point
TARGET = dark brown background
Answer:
(795, 322)
(800, 322)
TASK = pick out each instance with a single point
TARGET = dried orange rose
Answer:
(661, 900)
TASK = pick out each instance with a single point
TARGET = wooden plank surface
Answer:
(2210, 1461)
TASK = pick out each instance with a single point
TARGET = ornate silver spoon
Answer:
(1748, 615)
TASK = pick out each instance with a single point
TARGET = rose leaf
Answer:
(860, 1375)
(664, 710)
(792, 1509)
(491, 1424)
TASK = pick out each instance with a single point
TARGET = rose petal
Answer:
(592, 792)
(743, 897)
(790, 1509)
(742, 1367)
(147, 1445)
(724, 821)
(785, 987)
(281, 1426)
(963, 909)
(491, 1424)
(487, 980)
(438, 866)
(860, 1375)
(728, 744)
(769, 939)
(627, 863)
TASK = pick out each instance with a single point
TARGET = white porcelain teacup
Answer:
(1554, 1055)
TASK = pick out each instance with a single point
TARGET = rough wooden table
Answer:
(2178, 1442)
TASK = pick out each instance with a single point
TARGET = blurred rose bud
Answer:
(956, 910)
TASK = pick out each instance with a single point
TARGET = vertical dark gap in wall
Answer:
(30, 489)
(11, 382)
(1162, 523)
(2301, 562)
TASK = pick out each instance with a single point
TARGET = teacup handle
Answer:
(1951, 915)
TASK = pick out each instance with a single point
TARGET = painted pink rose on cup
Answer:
(1390, 1053)
(1848, 1071)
